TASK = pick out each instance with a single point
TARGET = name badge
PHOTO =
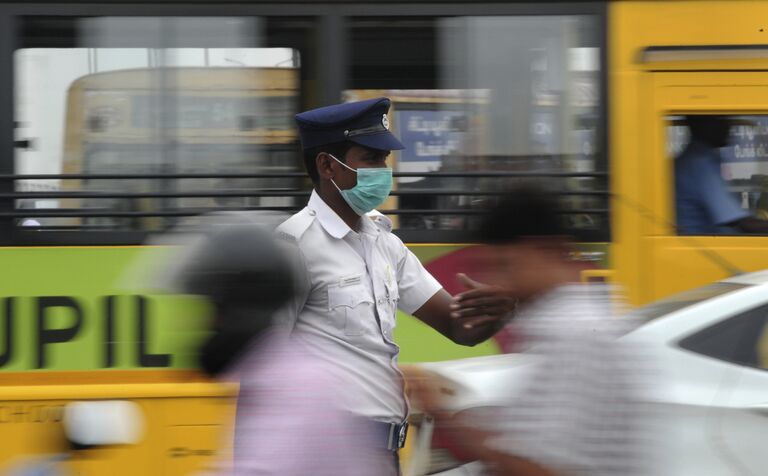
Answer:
(349, 281)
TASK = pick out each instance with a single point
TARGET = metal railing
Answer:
(597, 195)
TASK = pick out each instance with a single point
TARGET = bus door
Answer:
(679, 252)
(689, 186)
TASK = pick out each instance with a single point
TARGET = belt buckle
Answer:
(402, 434)
(398, 432)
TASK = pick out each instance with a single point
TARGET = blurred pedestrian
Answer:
(579, 413)
(358, 273)
(290, 418)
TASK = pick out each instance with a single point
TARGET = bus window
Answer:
(486, 102)
(721, 173)
(152, 126)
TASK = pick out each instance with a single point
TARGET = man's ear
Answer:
(323, 164)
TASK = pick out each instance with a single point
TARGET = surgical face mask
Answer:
(373, 187)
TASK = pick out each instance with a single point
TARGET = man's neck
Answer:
(333, 199)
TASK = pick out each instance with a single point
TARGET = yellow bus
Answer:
(70, 333)
(181, 120)
(657, 74)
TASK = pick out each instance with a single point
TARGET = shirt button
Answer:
(312, 213)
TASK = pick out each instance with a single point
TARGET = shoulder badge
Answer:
(293, 228)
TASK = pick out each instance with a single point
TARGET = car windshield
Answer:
(685, 299)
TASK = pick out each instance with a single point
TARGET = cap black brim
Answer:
(380, 141)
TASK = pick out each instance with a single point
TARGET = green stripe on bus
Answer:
(66, 310)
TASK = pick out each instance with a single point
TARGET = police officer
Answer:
(358, 273)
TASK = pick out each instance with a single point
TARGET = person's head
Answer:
(325, 164)
(528, 246)
(711, 130)
(342, 140)
(247, 277)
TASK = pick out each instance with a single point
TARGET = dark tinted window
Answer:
(741, 339)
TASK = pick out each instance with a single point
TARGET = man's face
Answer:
(525, 268)
(357, 157)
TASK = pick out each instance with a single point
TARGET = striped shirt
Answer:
(580, 414)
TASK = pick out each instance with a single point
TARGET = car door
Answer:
(739, 409)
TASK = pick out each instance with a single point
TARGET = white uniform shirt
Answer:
(346, 305)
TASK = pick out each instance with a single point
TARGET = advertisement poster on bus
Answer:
(428, 136)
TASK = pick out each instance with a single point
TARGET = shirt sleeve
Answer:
(414, 282)
(288, 314)
(722, 207)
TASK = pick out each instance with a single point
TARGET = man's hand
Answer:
(470, 317)
(427, 390)
(481, 305)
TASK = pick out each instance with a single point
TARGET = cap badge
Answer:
(385, 121)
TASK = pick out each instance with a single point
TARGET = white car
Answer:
(710, 345)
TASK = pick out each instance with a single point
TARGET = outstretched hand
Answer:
(481, 304)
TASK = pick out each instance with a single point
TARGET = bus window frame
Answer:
(329, 25)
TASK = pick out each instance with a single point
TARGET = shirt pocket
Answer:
(351, 307)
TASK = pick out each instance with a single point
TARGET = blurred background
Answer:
(165, 117)
(120, 122)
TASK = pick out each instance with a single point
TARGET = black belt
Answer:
(391, 435)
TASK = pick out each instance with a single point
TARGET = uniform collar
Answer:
(332, 222)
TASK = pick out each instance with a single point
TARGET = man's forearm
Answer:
(438, 312)
(474, 335)
(752, 225)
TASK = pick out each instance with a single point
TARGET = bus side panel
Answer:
(181, 435)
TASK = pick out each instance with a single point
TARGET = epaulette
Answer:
(280, 235)
(293, 228)
(382, 221)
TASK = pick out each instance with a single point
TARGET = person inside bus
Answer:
(703, 203)
(358, 273)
